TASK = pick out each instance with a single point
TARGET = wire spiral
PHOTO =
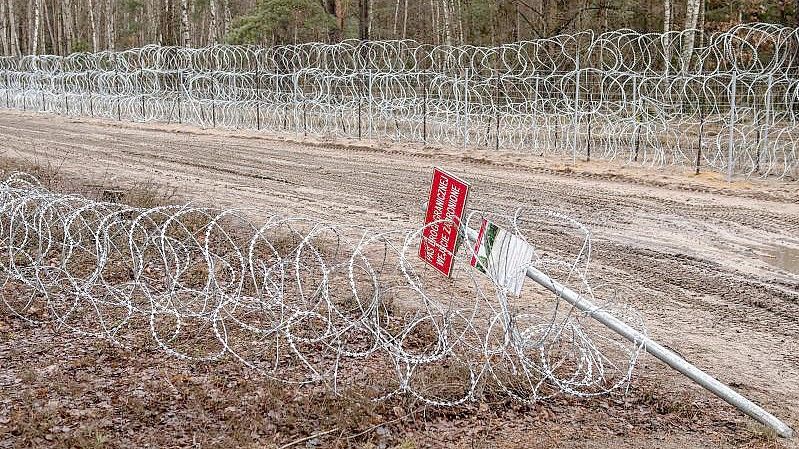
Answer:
(304, 302)
(728, 105)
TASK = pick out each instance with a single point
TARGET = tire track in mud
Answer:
(768, 305)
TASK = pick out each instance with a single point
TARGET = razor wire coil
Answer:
(640, 98)
(301, 301)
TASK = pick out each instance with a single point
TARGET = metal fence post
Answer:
(731, 143)
(180, 95)
(361, 84)
(296, 90)
(465, 108)
(141, 83)
(369, 99)
(576, 108)
(286, 105)
(116, 88)
(496, 115)
(91, 104)
(424, 110)
(636, 112)
(213, 113)
(44, 106)
(304, 116)
(590, 123)
(701, 131)
(257, 93)
(763, 141)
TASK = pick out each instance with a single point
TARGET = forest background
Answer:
(66, 26)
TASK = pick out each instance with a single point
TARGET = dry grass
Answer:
(144, 194)
(85, 393)
(61, 389)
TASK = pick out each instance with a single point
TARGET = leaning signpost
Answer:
(443, 224)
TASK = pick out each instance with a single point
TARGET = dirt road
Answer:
(715, 265)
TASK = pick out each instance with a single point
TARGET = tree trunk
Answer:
(552, 22)
(166, 20)
(27, 38)
(371, 18)
(154, 16)
(37, 15)
(447, 23)
(68, 29)
(396, 19)
(341, 18)
(213, 28)
(363, 19)
(434, 21)
(405, 21)
(666, 30)
(4, 28)
(93, 27)
(109, 25)
(691, 18)
(49, 25)
(701, 25)
(227, 16)
(185, 39)
(336, 9)
(603, 14)
(458, 13)
(12, 24)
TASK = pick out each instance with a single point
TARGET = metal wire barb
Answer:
(302, 301)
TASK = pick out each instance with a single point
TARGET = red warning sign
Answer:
(444, 214)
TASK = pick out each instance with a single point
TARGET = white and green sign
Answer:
(502, 256)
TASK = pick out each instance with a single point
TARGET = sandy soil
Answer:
(715, 265)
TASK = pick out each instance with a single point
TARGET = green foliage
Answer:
(282, 21)
(721, 14)
(200, 9)
(132, 6)
(491, 232)
(80, 46)
(479, 15)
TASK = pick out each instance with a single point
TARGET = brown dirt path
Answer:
(713, 264)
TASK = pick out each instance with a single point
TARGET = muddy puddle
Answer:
(782, 257)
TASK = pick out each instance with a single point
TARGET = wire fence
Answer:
(305, 302)
(729, 105)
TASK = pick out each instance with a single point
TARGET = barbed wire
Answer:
(306, 302)
(640, 98)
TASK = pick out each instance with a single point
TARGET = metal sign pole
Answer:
(665, 355)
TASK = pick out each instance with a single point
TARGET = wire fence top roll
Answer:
(727, 104)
